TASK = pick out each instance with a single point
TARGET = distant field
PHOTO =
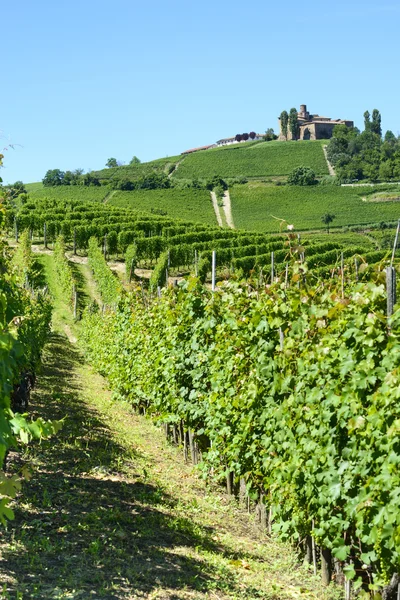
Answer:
(161, 165)
(190, 204)
(254, 204)
(68, 192)
(253, 160)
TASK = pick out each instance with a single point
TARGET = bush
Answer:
(302, 176)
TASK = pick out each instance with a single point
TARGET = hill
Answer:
(261, 167)
(256, 159)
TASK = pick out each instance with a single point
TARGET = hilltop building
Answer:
(226, 142)
(233, 140)
(314, 127)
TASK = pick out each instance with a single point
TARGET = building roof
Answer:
(325, 122)
(230, 139)
(197, 149)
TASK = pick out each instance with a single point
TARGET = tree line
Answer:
(358, 155)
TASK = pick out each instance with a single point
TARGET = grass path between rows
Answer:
(113, 512)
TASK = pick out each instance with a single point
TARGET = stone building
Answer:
(313, 127)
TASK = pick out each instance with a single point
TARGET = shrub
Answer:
(302, 176)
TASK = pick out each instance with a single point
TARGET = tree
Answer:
(302, 176)
(327, 218)
(112, 162)
(16, 189)
(252, 134)
(376, 122)
(245, 136)
(53, 177)
(238, 137)
(89, 180)
(270, 135)
(135, 161)
(389, 136)
(293, 123)
(367, 122)
(284, 119)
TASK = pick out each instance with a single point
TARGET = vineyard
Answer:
(265, 159)
(161, 165)
(189, 204)
(24, 318)
(287, 393)
(278, 382)
(255, 205)
(181, 247)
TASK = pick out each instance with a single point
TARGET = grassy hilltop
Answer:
(256, 159)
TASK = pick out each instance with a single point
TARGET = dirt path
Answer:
(228, 209)
(216, 209)
(112, 511)
(108, 197)
(176, 167)
(330, 167)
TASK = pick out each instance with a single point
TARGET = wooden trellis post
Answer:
(213, 267)
(272, 267)
(131, 270)
(391, 289)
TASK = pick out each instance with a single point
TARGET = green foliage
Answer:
(255, 206)
(152, 181)
(190, 203)
(253, 159)
(364, 155)
(111, 162)
(376, 122)
(203, 268)
(63, 269)
(67, 193)
(130, 261)
(302, 176)
(293, 123)
(327, 218)
(53, 177)
(309, 420)
(23, 258)
(159, 274)
(137, 169)
(109, 286)
(24, 327)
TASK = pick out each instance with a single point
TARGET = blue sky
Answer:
(85, 81)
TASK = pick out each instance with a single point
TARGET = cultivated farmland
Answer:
(266, 159)
(161, 165)
(255, 205)
(189, 204)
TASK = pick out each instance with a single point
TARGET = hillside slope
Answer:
(265, 159)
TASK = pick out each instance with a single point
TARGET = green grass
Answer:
(264, 159)
(254, 204)
(188, 204)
